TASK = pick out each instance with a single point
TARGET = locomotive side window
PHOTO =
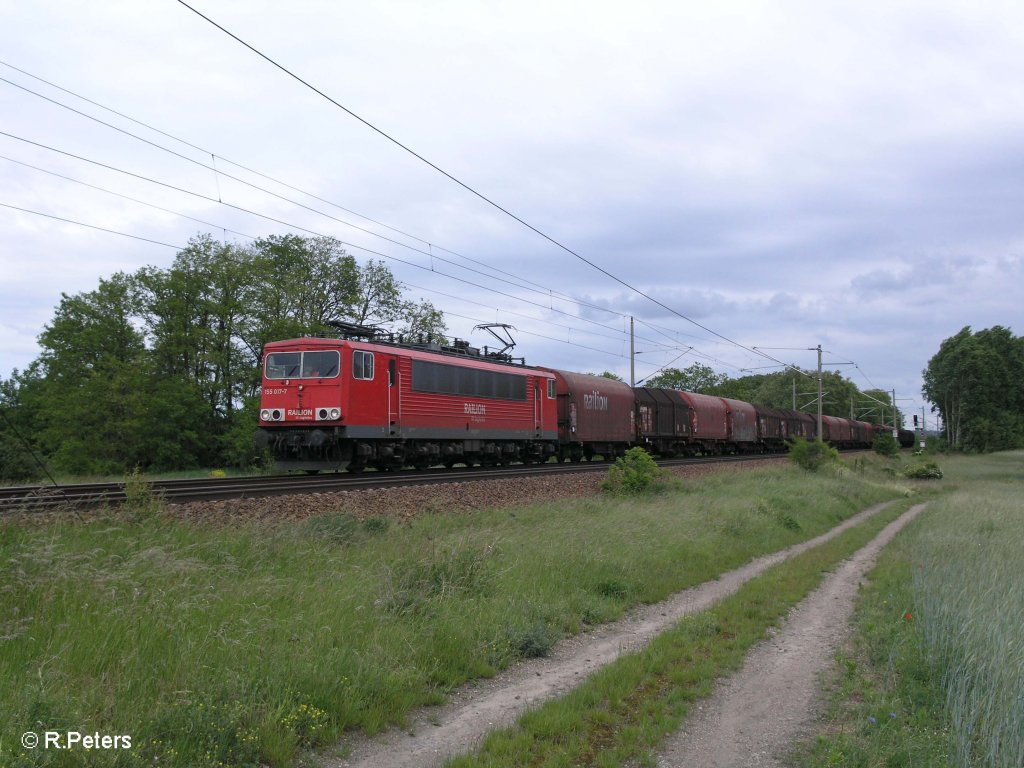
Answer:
(551, 389)
(362, 364)
(455, 380)
(284, 365)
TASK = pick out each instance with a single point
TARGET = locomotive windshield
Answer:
(303, 365)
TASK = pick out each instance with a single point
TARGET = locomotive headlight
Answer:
(265, 414)
(328, 414)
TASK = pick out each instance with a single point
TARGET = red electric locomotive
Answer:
(350, 403)
(363, 401)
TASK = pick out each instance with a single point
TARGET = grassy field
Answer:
(241, 645)
(936, 676)
(621, 713)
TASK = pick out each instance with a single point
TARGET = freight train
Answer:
(368, 400)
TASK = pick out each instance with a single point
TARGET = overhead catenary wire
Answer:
(470, 189)
(430, 246)
(213, 168)
(219, 200)
(299, 227)
(179, 247)
(126, 197)
(89, 226)
(429, 252)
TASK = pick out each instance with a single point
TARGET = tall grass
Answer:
(240, 645)
(936, 675)
(968, 582)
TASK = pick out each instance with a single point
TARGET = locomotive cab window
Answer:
(362, 364)
(303, 365)
(284, 365)
(320, 365)
(551, 389)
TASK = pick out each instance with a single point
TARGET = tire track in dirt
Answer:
(437, 733)
(755, 716)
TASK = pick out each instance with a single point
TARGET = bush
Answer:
(885, 444)
(927, 471)
(635, 474)
(16, 463)
(140, 498)
(533, 642)
(812, 455)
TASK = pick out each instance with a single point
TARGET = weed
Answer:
(780, 516)
(335, 527)
(635, 474)
(787, 521)
(811, 455)
(926, 471)
(376, 524)
(534, 641)
(140, 500)
(614, 588)
(458, 571)
(885, 444)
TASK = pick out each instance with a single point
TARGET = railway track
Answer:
(86, 495)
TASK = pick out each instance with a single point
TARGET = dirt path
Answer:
(441, 732)
(755, 716)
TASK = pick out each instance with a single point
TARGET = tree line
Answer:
(793, 389)
(976, 383)
(160, 369)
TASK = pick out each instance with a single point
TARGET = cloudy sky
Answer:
(775, 175)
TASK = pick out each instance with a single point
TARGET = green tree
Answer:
(424, 319)
(195, 315)
(92, 370)
(295, 286)
(18, 456)
(695, 378)
(378, 296)
(161, 369)
(974, 382)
